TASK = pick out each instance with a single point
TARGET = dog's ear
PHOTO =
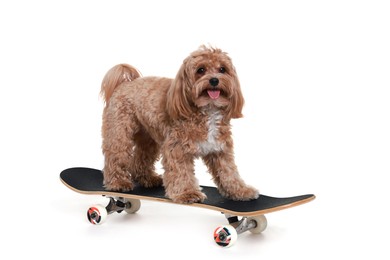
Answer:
(236, 104)
(178, 101)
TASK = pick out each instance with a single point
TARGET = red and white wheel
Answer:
(97, 214)
(225, 236)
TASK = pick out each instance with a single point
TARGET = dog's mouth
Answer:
(213, 93)
(214, 96)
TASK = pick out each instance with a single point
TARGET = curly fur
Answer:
(179, 119)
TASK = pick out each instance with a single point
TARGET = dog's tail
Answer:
(116, 76)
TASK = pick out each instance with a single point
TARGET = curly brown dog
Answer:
(179, 119)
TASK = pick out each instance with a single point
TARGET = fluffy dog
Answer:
(180, 119)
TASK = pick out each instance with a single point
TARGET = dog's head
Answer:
(206, 79)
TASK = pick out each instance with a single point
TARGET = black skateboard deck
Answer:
(90, 181)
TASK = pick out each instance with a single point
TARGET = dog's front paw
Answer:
(243, 193)
(189, 197)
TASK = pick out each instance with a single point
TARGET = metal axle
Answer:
(117, 204)
(242, 225)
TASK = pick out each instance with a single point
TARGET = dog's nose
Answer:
(214, 82)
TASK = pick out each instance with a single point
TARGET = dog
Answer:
(177, 120)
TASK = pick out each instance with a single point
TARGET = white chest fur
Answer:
(212, 144)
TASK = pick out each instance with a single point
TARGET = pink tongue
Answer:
(213, 94)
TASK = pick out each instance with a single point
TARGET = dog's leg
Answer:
(118, 144)
(146, 153)
(179, 178)
(226, 176)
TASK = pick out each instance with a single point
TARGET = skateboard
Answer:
(242, 216)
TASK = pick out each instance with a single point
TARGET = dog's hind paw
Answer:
(150, 181)
(119, 186)
(189, 197)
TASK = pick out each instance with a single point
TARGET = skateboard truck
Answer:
(241, 226)
(117, 204)
(226, 235)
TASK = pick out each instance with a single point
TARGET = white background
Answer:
(316, 79)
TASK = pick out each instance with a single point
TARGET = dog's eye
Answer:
(222, 70)
(201, 71)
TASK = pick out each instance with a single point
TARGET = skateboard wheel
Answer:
(225, 236)
(261, 224)
(97, 214)
(132, 206)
